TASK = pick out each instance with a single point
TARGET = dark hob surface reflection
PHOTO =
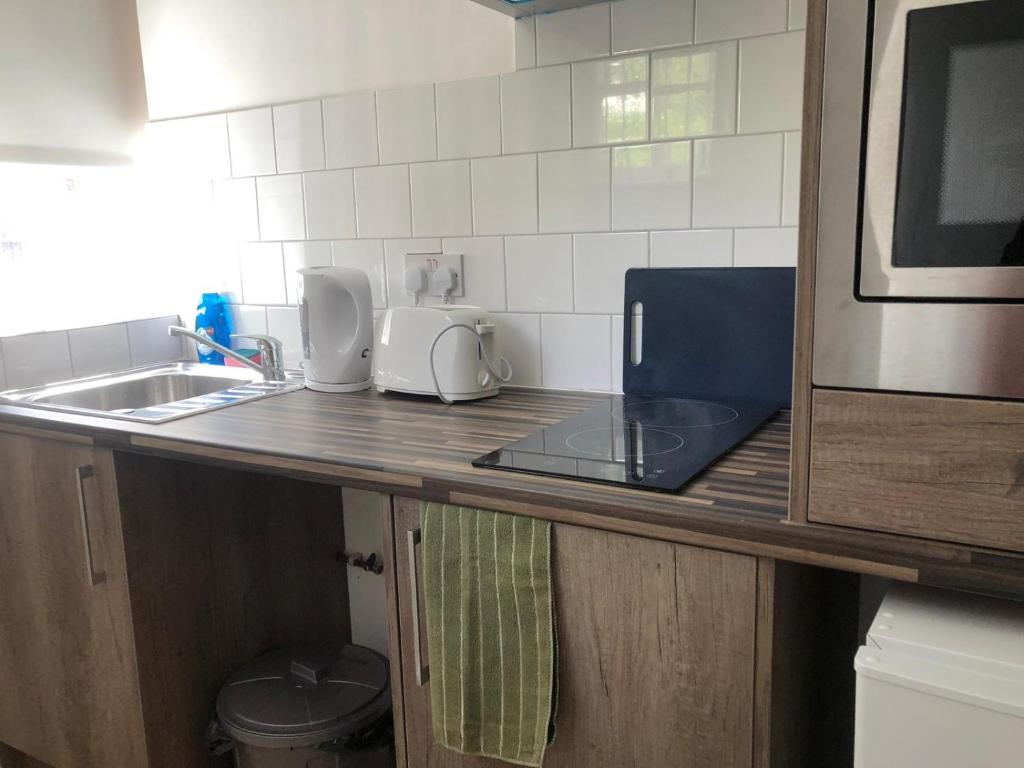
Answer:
(654, 443)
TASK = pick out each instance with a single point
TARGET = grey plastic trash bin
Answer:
(311, 708)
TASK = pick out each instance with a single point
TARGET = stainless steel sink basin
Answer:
(152, 394)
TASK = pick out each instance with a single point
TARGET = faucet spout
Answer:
(270, 352)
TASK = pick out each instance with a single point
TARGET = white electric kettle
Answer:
(336, 317)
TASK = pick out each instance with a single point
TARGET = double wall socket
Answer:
(431, 262)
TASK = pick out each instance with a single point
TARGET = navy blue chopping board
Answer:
(711, 333)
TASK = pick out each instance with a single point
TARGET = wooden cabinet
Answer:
(127, 601)
(657, 654)
(67, 658)
(935, 467)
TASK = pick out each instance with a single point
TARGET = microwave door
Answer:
(944, 159)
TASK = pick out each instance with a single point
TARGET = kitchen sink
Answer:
(153, 394)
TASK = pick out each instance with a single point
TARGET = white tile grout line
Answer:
(323, 133)
(273, 133)
(634, 231)
(782, 185)
(607, 145)
(739, 78)
(227, 137)
(611, 44)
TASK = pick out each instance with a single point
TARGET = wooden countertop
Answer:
(422, 448)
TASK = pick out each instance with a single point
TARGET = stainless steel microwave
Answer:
(919, 282)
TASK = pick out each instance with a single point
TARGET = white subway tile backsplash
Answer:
(299, 136)
(483, 267)
(651, 186)
(771, 83)
(599, 269)
(235, 209)
(251, 135)
(772, 247)
(382, 202)
(299, 255)
(281, 209)
(737, 181)
(406, 124)
(693, 91)
(505, 195)
(576, 351)
(797, 14)
(283, 324)
(469, 118)
(99, 349)
(440, 199)
(640, 25)
(535, 110)
(580, 33)
(350, 130)
(791, 181)
(609, 101)
(519, 339)
(223, 273)
(248, 319)
(330, 204)
(367, 255)
(692, 248)
(575, 190)
(191, 147)
(149, 342)
(394, 258)
(526, 42)
(262, 273)
(723, 19)
(538, 272)
(36, 358)
(490, 163)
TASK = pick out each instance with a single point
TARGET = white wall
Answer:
(551, 181)
(202, 56)
(71, 87)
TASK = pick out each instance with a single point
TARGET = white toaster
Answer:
(441, 351)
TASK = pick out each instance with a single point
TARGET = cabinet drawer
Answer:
(940, 468)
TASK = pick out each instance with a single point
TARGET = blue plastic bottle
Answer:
(213, 320)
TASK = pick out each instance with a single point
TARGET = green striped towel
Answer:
(490, 632)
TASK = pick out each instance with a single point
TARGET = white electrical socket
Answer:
(431, 262)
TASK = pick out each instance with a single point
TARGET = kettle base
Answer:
(457, 397)
(321, 386)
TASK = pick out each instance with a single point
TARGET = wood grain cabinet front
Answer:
(934, 467)
(67, 658)
(660, 647)
(131, 587)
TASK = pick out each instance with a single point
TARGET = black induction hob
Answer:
(713, 362)
(658, 444)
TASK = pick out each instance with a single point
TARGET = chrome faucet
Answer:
(270, 351)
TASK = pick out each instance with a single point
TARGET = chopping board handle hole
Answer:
(634, 333)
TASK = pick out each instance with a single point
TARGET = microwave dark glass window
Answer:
(960, 189)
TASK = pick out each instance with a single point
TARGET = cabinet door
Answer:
(656, 659)
(67, 660)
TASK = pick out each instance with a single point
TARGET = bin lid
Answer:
(970, 631)
(930, 676)
(302, 697)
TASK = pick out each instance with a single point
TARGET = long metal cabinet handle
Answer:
(81, 475)
(422, 670)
